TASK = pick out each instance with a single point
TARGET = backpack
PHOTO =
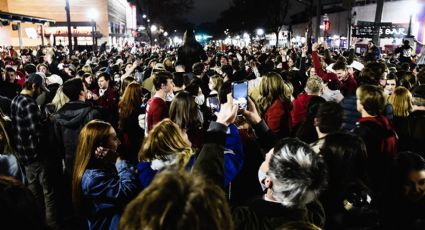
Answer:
(389, 136)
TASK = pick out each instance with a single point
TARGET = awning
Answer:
(5, 16)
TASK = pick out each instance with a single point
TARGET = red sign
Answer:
(326, 26)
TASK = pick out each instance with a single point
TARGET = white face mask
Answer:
(200, 99)
(170, 96)
(261, 178)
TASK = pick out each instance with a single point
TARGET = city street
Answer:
(225, 114)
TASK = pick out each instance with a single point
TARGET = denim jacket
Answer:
(106, 193)
(233, 160)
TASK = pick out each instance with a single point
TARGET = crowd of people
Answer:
(141, 138)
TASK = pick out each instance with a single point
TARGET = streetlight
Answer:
(165, 34)
(93, 14)
(144, 16)
(260, 32)
(154, 28)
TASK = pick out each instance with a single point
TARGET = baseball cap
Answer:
(159, 67)
(54, 79)
(37, 78)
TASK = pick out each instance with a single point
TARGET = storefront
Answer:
(82, 34)
(113, 22)
(19, 29)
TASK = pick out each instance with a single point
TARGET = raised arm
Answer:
(210, 162)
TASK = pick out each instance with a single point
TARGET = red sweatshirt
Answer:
(299, 109)
(278, 118)
(347, 86)
(155, 111)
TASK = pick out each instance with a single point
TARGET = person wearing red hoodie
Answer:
(346, 81)
(312, 89)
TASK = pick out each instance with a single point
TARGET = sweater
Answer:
(299, 109)
(278, 118)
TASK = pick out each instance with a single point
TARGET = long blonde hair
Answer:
(164, 140)
(401, 100)
(60, 99)
(217, 81)
(94, 134)
(273, 87)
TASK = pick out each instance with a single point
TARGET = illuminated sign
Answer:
(386, 30)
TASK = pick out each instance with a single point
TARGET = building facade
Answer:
(396, 15)
(112, 20)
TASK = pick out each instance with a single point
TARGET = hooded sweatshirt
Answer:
(299, 109)
(68, 122)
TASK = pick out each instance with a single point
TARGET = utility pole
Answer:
(68, 22)
(318, 18)
(20, 35)
(378, 17)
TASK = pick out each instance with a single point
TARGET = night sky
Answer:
(207, 10)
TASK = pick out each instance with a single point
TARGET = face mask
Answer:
(200, 99)
(170, 96)
(261, 178)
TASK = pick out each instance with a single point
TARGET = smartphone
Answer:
(240, 94)
(213, 103)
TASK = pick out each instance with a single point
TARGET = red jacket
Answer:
(347, 86)
(278, 118)
(299, 109)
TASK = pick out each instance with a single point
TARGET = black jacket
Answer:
(350, 113)
(9, 90)
(5, 105)
(68, 122)
(378, 161)
(262, 214)
(411, 132)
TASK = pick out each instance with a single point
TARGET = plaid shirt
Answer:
(26, 118)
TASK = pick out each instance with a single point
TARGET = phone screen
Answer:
(240, 94)
(213, 103)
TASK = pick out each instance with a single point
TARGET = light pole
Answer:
(93, 31)
(68, 22)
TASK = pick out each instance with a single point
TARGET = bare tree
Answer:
(276, 12)
(167, 13)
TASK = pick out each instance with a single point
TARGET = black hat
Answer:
(38, 79)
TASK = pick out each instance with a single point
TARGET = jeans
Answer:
(41, 183)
